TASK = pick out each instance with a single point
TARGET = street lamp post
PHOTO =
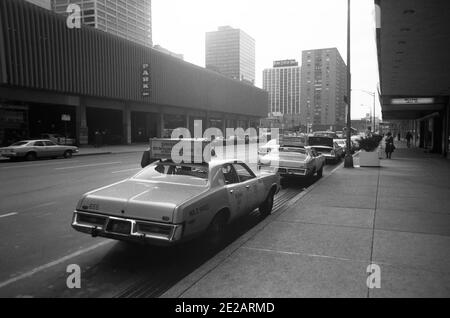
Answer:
(348, 157)
(373, 94)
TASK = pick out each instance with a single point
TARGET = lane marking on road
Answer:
(91, 165)
(9, 214)
(39, 164)
(128, 170)
(54, 263)
(43, 205)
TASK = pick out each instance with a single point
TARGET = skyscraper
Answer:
(46, 4)
(231, 52)
(129, 19)
(323, 87)
(283, 84)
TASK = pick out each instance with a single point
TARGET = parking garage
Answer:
(100, 84)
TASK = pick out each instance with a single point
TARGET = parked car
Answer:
(34, 149)
(59, 139)
(327, 147)
(293, 161)
(168, 203)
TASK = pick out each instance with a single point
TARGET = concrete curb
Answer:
(190, 280)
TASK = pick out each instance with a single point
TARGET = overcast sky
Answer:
(282, 30)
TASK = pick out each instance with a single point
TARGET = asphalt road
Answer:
(37, 242)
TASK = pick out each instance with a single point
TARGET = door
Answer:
(52, 149)
(248, 181)
(237, 192)
(41, 151)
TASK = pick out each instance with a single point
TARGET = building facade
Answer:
(323, 89)
(104, 83)
(129, 19)
(231, 52)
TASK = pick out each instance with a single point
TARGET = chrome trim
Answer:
(175, 235)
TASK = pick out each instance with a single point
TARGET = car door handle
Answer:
(231, 191)
(247, 187)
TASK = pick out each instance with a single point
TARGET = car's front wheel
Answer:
(216, 231)
(68, 154)
(320, 172)
(266, 207)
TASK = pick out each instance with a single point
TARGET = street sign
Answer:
(65, 117)
(412, 101)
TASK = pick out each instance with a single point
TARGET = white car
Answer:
(168, 203)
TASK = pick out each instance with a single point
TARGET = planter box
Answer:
(369, 159)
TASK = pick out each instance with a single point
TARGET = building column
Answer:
(188, 121)
(82, 130)
(126, 120)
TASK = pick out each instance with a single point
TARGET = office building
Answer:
(128, 19)
(231, 52)
(323, 89)
(283, 84)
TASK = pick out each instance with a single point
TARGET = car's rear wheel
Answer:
(216, 231)
(320, 172)
(266, 207)
(68, 154)
(31, 156)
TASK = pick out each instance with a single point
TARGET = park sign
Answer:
(146, 80)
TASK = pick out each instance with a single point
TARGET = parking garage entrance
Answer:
(105, 126)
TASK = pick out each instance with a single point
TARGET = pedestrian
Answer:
(409, 136)
(98, 139)
(399, 136)
(389, 145)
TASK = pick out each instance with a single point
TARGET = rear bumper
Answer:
(98, 225)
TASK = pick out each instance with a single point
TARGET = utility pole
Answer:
(349, 156)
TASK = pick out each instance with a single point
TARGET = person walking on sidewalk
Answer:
(389, 147)
(409, 136)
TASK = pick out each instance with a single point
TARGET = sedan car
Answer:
(168, 203)
(327, 147)
(294, 161)
(34, 149)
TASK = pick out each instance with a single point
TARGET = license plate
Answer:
(119, 227)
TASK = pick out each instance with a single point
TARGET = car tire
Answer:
(68, 154)
(31, 156)
(320, 172)
(265, 209)
(216, 231)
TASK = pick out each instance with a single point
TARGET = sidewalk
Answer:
(397, 217)
(106, 150)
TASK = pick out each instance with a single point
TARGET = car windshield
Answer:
(171, 172)
(20, 143)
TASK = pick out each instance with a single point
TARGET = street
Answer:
(38, 243)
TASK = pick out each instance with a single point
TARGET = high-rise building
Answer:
(46, 4)
(283, 84)
(129, 19)
(231, 52)
(323, 89)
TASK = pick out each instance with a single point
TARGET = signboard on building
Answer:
(65, 117)
(146, 80)
(412, 101)
(285, 63)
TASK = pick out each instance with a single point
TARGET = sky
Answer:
(282, 29)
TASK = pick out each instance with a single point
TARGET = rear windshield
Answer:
(171, 172)
(20, 143)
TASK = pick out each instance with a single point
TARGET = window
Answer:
(229, 175)
(243, 173)
(39, 144)
(49, 143)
